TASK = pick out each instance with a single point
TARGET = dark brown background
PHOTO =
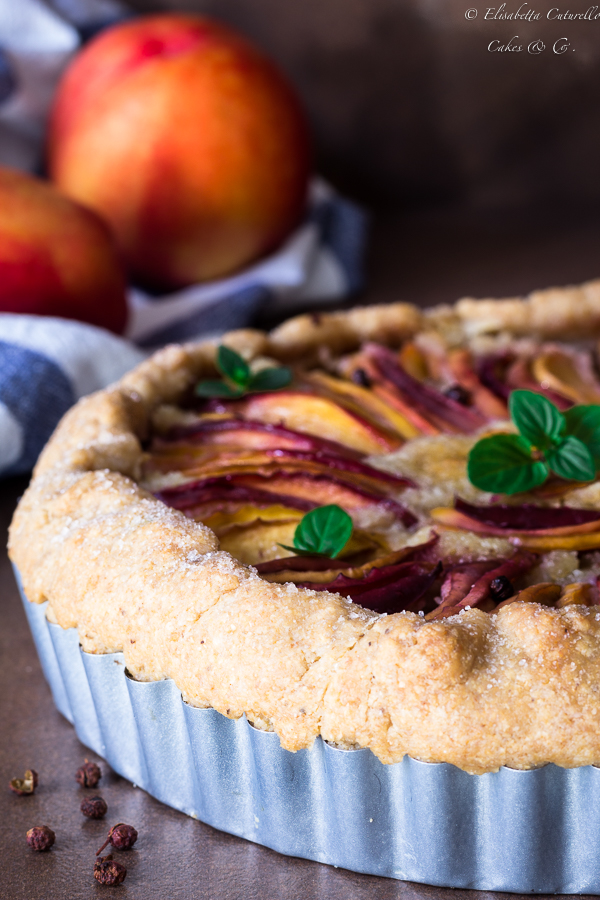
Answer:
(408, 105)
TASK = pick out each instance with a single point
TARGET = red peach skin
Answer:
(187, 140)
(56, 257)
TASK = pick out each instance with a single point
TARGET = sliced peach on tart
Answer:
(323, 490)
(463, 370)
(426, 407)
(211, 429)
(361, 369)
(578, 593)
(207, 497)
(547, 593)
(194, 457)
(256, 466)
(486, 589)
(359, 398)
(569, 374)
(199, 462)
(312, 414)
(414, 361)
(221, 521)
(519, 375)
(386, 589)
(264, 541)
(546, 544)
(323, 570)
(297, 489)
(524, 520)
(388, 583)
(446, 413)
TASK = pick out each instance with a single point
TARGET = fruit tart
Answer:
(379, 526)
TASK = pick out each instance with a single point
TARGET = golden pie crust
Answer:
(520, 687)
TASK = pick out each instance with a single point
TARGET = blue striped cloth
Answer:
(47, 364)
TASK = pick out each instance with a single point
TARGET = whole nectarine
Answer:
(56, 257)
(188, 140)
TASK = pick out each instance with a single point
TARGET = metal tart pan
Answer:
(511, 830)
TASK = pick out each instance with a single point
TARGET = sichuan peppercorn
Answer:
(108, 871)
(89, 774)
(25, 785)
(93, 807)
(40, 837)
(121, 836)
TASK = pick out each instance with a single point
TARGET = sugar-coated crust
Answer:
(519, 688)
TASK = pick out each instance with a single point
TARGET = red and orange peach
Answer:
(187, 140)
(56, 257)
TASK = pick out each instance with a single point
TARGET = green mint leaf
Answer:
(323, 531)
(503, 464)
(240, 378)
(232, 366)
(583, 422)
(270, 379)
(571, 460)
(538, 420)
(216, 389)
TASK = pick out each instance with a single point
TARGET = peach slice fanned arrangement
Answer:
(329, 476)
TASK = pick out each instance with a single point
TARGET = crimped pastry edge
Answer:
(519, 688)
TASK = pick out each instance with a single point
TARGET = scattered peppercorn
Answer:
(121, 836)
(94, 807)
(40, 837)
(501, 588)
(89, 774)
(458, 393)
(25, 785)
(360, 377)
(108, 871)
